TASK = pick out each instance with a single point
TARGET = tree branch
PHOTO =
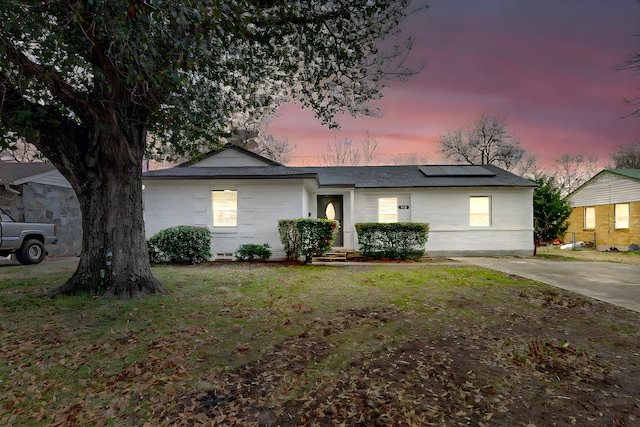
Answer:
(98, 45)
(632, 64)
(47, 75)
(40, 125)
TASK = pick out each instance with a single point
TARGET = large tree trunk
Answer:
(96, 140)
(108, 182)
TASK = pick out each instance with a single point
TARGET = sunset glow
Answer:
(551, 68)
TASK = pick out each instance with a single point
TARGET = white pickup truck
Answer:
(24, 239)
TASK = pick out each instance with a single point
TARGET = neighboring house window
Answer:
(622, 215)
(388, 209)
(225, 208)
(480, 211)
(590, 218)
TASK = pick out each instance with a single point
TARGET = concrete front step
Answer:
(336, 256)
(331, 257)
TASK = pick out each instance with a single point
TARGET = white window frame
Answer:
(589, 218)
(387, 213)
(227, 215)
(478, 215)
(621, 219)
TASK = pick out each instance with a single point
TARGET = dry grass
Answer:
(585, 254)
(265, 345)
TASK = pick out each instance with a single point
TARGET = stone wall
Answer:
(57, 205)
(12, 204)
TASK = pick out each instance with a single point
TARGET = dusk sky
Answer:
(550, 67)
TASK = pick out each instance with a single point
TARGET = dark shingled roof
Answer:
(358, 176)
(13, 171)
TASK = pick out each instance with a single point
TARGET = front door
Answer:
(330, 207)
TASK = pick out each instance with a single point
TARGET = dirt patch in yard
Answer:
(523, 370)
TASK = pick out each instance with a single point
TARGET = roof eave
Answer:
(198, 177)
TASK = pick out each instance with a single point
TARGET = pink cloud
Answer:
(548, 66)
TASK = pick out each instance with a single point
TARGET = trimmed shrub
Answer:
(307, 238)
(289, 238)
(251, 251)
(184, 244)
(316, 237)
(399, 240)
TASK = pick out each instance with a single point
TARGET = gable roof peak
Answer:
(226, 147)
(626, 173)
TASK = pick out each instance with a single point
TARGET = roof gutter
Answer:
(311, 175)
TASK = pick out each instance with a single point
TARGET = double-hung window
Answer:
(479, 211)
(388, 209)
(622, 215)
(590, 218)
(225, 208)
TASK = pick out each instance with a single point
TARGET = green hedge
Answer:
(180, 245)
(399, 240)
(307, 238)
(252, 251)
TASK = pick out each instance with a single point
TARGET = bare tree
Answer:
(626, 157)
(368, 150)
(346, 153)
(410, 159)
(487, 143)
(341, 153)
(528, 167)
(273, 148)
(572, 170)
(262, 143)
(633, 64)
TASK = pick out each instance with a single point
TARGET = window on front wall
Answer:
(590, 218)
(480, 211)
(622, 215)
(225, 208)
(388, 209)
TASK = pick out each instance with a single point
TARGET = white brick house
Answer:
(239, 196)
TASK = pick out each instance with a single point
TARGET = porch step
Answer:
(331, 257)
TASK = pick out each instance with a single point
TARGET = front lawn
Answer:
(265, 345)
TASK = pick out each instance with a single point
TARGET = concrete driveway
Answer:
(614, 283)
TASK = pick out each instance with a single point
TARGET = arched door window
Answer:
(330, 211)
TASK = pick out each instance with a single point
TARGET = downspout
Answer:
(7, 186)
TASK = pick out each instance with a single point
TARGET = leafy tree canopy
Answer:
(195, 67)
(85, 80)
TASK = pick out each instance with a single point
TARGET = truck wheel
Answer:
(31, 252)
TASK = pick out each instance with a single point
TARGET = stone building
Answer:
(37, 192)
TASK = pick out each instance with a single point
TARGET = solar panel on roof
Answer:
(479, 171)
(454, 170)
